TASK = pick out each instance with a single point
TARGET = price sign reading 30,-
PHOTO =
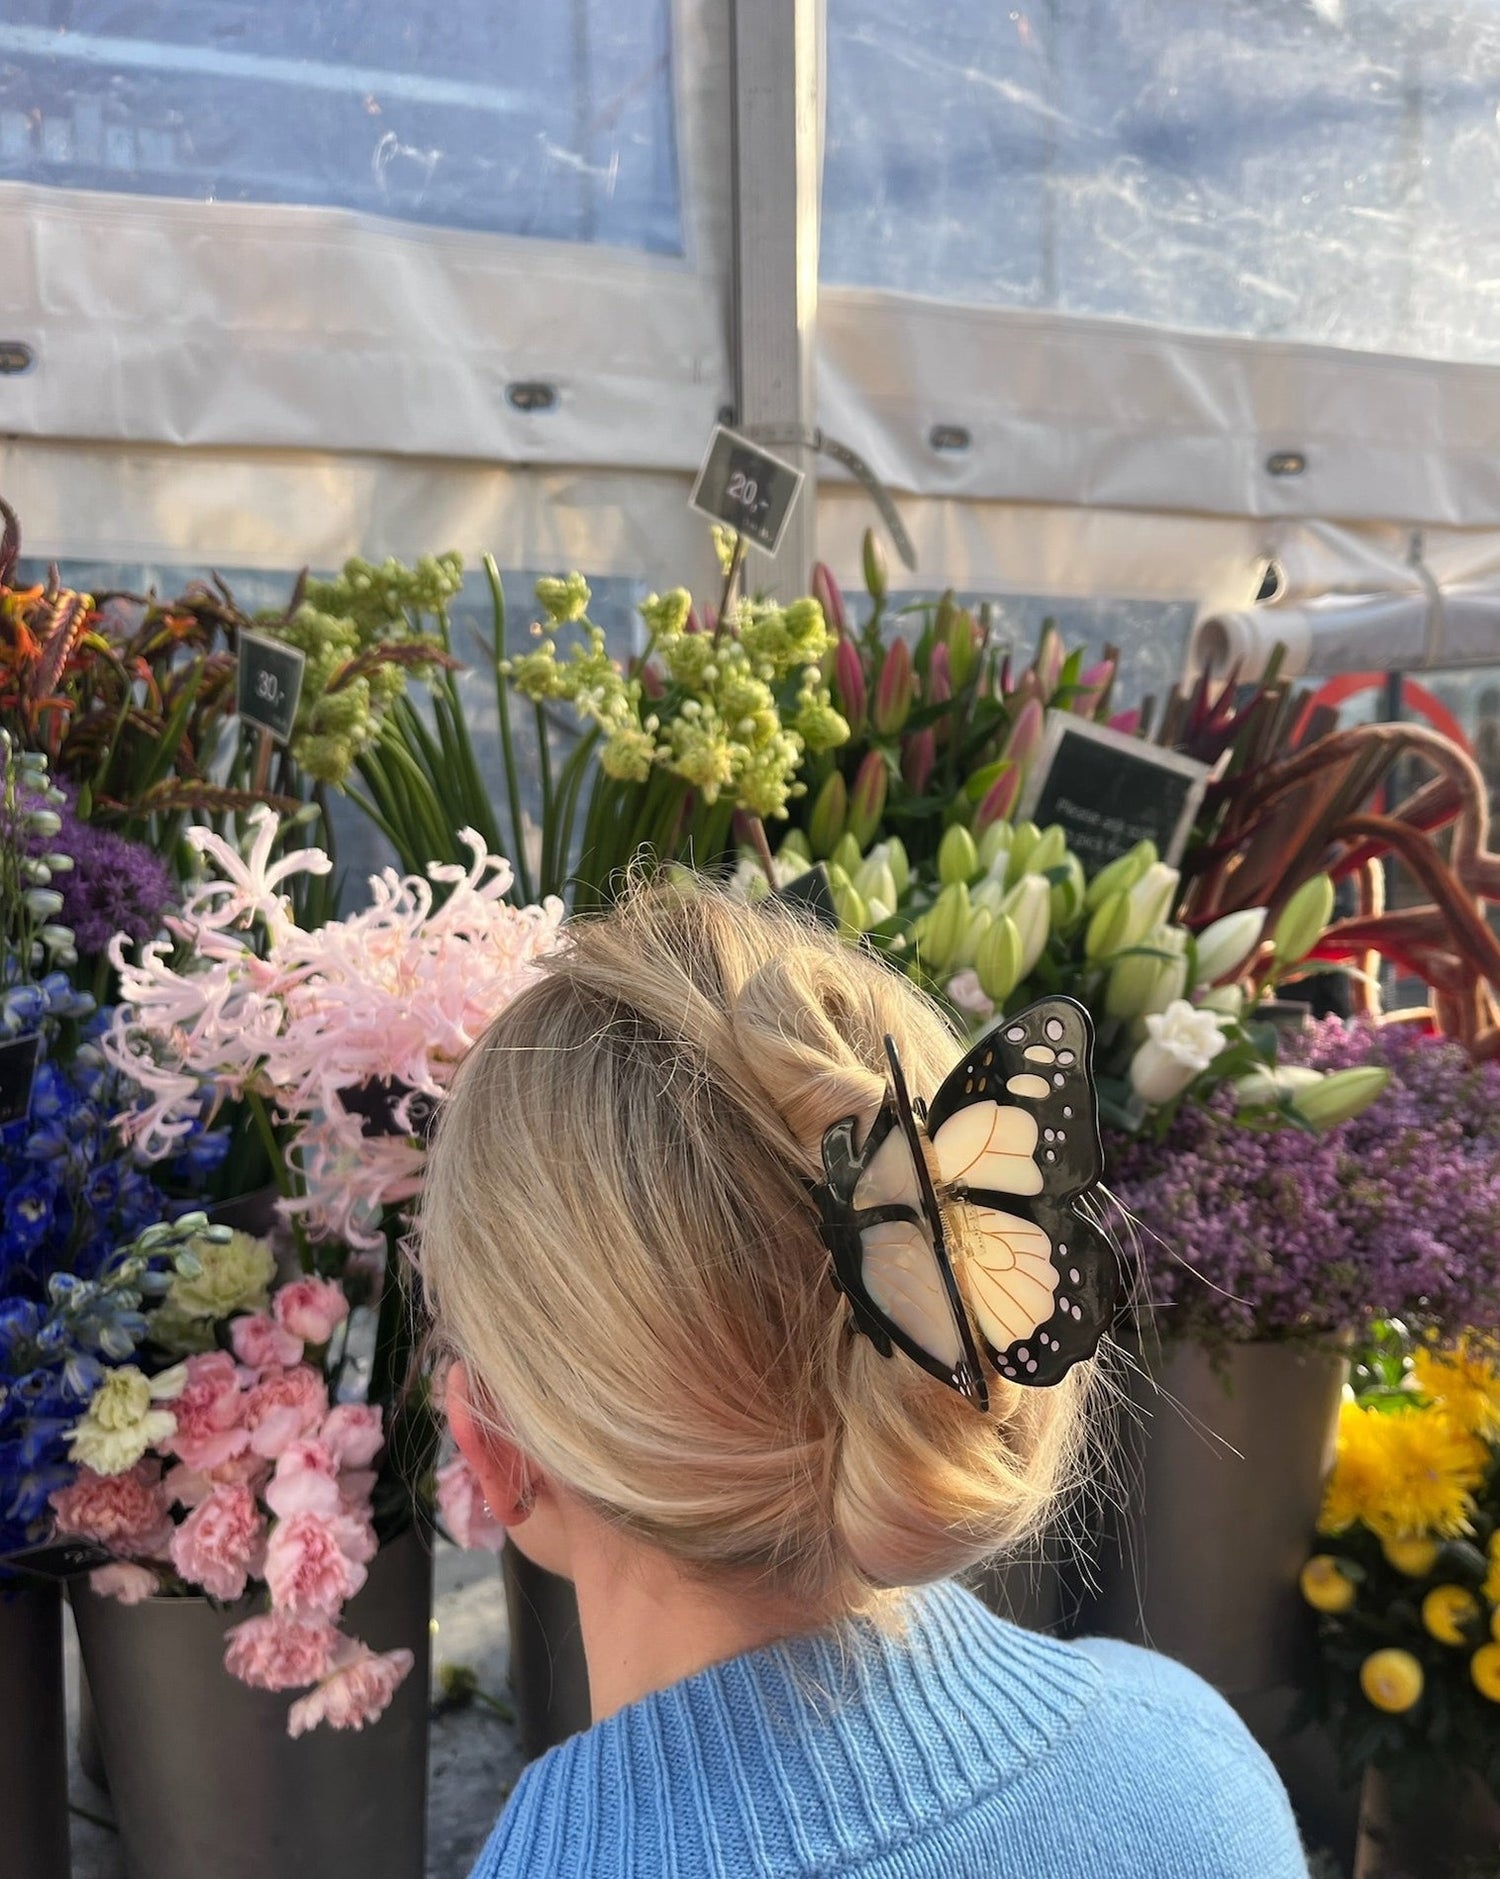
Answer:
(270, 684)
(748, 490)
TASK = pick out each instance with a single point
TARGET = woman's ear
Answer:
(503, 1471)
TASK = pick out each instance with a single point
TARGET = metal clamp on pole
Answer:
(810, 437)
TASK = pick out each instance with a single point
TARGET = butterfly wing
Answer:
(886, 1257)
(1016, 1136)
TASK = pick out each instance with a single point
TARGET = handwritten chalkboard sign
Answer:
(1110, 791)
(270, 683)
(746, 488)
(18, 1061)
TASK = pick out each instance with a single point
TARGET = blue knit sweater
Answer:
(965, 1749)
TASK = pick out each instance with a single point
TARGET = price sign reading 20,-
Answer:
(270, 684)
(747, 489)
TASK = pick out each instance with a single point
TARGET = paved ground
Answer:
(473, 1755)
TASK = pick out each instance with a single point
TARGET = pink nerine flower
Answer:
(311, 1309)
(309, 1573)
(210, 1413)
(461, 1504)
(128, 1513)
(284, 1406)
(358, 1691)
(261, 1344)
(221, 1543)
(353, 1434)
(306, 1481)
(278, 1653)
(125, 1581)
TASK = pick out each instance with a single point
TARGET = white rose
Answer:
(1181, 1043)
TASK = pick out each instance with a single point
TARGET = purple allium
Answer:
(114, 886)
(1280, 1233)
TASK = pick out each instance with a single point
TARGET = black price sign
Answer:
(743, 487)
(270, 684)
(18, 1061)
(58, 1559)
(1110, 791)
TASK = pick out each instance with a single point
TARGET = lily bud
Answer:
(993, 843)
(1051, 850)
(829, 596)
(875, 881)
(1025, 735)
(1091, 687)
(958, 858)
(1225, 946)
(1303, 919)
(854, 915)
(867, 800)
(847, 854)
(1225, 1001)
(1261, 1088)
(795, 848)
(875, 571)
(894, 689)
(947, 923)
(1340, 1096)
(980, 922)
(1050, 659)
(1127, 723)
(1023, 841)
(998, 959)
(849, 685)
(829, 813)
(939, 689)
(1029, 905)
(895, 854)
(963, 641)
(918, 759)
(1121, 874)
(1150, 901)
(1142, 983)
(1067, 896)
(1106, 930)
(999, 801)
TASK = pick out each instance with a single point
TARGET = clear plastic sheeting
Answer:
(1315, 170)
(512, 118)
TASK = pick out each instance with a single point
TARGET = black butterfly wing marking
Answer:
(888, 1259)
(1016, 1136)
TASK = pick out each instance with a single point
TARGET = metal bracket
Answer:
(810, 437)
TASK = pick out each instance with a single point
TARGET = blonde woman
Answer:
(761, 1483)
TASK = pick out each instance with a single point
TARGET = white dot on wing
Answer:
(1054, 1028)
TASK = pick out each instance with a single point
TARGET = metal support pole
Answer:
(776, 74)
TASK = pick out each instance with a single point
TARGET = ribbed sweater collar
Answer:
(809, 1756)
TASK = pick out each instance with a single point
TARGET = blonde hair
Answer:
(618, 1239)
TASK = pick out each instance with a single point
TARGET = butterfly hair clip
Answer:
(966, 1224)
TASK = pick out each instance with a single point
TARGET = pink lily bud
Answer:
(710, 618)
(1004, 685)
(692, 624)
(1127, 722)
(827, 593)
(939, 676)
(918, 758)
(1091, 687)
(849, 683)
(867, 798)
(999, 801)
(1025, 734)
(1049, 660)
(652, 683)
(894, 689)
(874, 559)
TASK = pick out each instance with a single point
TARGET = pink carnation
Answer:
(278, 1653)
(188, 1486)
(354, 1433)
(356, 1487)
(261, 1344)
(311, 1309)
(128, 1513)
(283, 1406)
(358, 1691)
(221, 1543)
(210, 1413)
(461, 1504)
(125, 1581)
(305, 1482)
(308, 1570)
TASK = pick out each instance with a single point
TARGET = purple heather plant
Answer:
(114, 886)
(1286, 1234)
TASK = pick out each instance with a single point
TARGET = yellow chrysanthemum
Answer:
(1448, 1611)
(1405, 1473)
(1414, 1556)
(1466, 1382)
(1392, 1680)
(1325, 1585)
(1484, 1668)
